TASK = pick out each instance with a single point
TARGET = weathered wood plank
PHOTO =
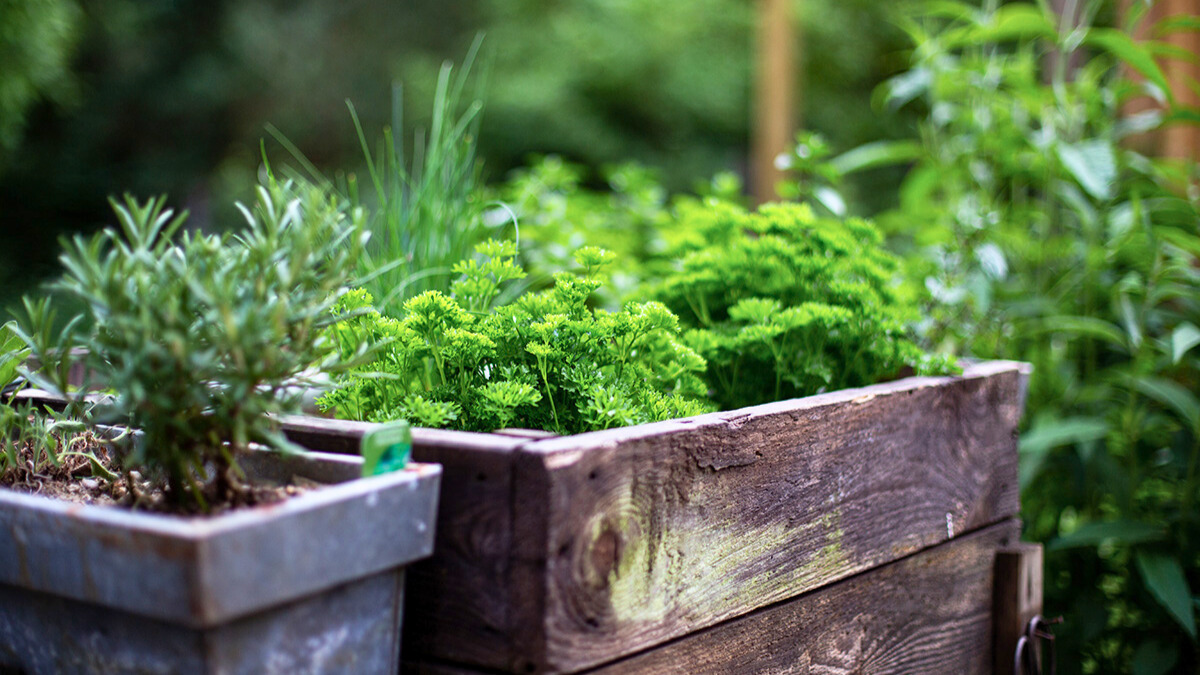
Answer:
(458, 603)
(1017, 599)
(654, 532)
(930, 613)
(344, 436)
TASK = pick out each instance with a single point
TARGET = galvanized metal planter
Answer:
(313, 584)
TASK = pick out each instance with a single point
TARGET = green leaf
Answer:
(1011, 22)
(942, 9)
(877, 154)
(1154, 657)
(1124, 48)
(1184, 337)
(1183, 240)
(1043, 437)
(12, 353)
(1016, 21)
(830, 199)
(1173, 396)
(1182, 114)
(1085, 326)
(1093, 164)
(1176, 24)
(1122, 531)
(1164, 577)
(902, 88)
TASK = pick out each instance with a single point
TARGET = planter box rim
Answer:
(475, 440)
(332, 427)
(726, 418)
(203, 571)
(200, 527)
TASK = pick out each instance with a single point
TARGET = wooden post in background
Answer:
(775, 116)
(1181, 140)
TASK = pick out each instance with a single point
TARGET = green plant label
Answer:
(386, 449)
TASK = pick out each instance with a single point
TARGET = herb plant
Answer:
(426, 206)
(200, 335)
(1043, 235)
(546, 360)
(783, 303)
(12, 353)
(557, 214)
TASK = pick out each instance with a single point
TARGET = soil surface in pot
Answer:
(86, 472)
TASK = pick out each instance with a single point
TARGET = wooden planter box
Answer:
(855, 531)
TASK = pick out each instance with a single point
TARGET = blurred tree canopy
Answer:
(171, 96)
(37, 38)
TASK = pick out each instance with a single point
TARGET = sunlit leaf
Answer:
(1138, 123)
(1124, 48)
(830, 199)
(904, 88)
(944, 9)
(1010, 22)
(1184, 337)
(877, 154)
(1164, 577)
(1093, 164)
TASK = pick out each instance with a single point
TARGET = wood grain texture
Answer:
(458, 603)
(930, 614)
(651, 533)
(1017, 599)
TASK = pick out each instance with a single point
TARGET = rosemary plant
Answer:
(200, 335)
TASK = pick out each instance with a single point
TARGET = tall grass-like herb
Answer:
(426, 202)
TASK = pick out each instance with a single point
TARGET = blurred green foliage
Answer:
(1040, 235)
(173, 95)
(37, 39)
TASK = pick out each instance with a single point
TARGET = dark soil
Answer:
(79, 479)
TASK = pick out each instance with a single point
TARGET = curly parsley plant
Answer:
(544, 361)
(782, 303)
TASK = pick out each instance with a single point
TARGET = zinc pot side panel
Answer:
(99, 555)
(275, 553)
(351, 629)
(652, 533)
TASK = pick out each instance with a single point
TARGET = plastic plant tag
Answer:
(386, 449)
